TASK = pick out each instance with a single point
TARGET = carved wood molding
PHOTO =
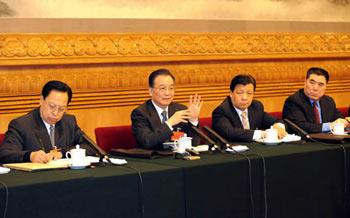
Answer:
(110, 70)
(104, 99)
(34, 49)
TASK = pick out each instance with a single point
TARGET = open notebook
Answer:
(57, 164)
(31, 167)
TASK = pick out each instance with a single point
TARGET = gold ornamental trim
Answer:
(34, 49)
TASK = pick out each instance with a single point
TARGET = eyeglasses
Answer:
(53, 108)
(163, 89)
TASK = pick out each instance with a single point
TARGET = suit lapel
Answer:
(234, 117)
(171, 110)
(308, 107)
(252, 124)
(41, 132)
(323, 106)
(59, 135)
(153, 115)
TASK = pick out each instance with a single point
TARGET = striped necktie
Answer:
(164, 116)
(52, 135)
(245, 120)
(316, 113)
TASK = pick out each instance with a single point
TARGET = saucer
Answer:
(268, 142)
(82, 166)
(344, 134)
(272, 143)
(169, 145)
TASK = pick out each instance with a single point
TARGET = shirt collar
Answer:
(47, 126)
(159, 109)
(239, 111)
(317, 102)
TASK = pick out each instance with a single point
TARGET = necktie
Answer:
(316, 113)
(52, 135)
(164, 116)
(245, 120)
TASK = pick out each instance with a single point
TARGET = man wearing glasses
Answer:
(45, 133)
(154, 121)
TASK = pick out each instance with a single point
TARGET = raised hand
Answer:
(194, 106)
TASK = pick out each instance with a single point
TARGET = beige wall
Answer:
(32, 25)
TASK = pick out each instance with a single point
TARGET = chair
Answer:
(115, 137)
(344, 111)
(205, 121)
(2, 136)
(277, 114)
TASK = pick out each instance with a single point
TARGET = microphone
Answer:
(297, 128)
(223, 142)
(204, 137)
(97, 149)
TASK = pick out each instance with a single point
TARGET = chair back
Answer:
(205, 121)
(2, 136)
(276, 114)
(115, 137)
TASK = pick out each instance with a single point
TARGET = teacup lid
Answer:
(185, 138)
(77, 147)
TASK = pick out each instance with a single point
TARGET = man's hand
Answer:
(281, 131)
(194, 106)
(56, 154)
(40, 157)
(348, 119)
(339, 120)
(178, 117)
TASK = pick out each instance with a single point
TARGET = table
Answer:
(302, 180)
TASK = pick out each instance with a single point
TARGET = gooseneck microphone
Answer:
(223, 142)
(204, 137)
(101, 153)
(298, 129)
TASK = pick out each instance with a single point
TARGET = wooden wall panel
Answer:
(108, 72)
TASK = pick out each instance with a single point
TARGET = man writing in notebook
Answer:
(45, 133)
(154, 121)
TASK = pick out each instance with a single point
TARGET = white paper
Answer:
(237, 148)
(201, 148)
(117, 161)
(4, 170)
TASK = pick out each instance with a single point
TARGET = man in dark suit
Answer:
(239, 117)
(154, 121)
(310, 108)
(45, 133)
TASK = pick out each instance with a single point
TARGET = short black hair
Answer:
(318, 71)
(159, 72)
(58, 86)
(243, 79)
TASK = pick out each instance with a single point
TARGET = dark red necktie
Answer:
(316, 113)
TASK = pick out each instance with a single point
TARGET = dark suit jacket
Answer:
(227, 123)
(150, 132)
(28, 133)
(299, 110)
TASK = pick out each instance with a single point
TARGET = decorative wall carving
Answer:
(108, 72)
(111, 48)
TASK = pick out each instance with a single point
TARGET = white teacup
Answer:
(338, 129)
(184, 143)
(271, 135)
(77, 156)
